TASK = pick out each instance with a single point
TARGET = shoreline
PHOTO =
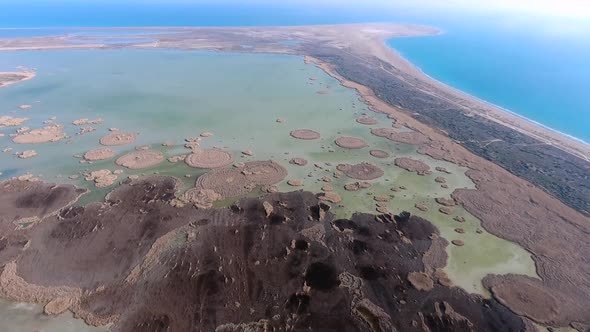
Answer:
(481, 100)
(373, 36)
(498, 114)
(25, 74)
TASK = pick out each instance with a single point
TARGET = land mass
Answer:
(554, 162)
(8, 78)
(533, 188)
(274, 263)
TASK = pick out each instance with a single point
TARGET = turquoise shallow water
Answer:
(537, 68)
(543, 78)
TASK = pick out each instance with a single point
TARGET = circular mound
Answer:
(412, 165)
(140, 159)
(367, 120)
(236, 181)
(118, 138)
(379, 153)
(298, 161)
(351, 142)
(211, 158)
(295, 183)
(526, 297)
(330, 196)
(99, 154)
(458, 243)
(362, 171)
(306, 134)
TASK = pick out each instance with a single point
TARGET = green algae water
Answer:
(168, 95)
(30, 317)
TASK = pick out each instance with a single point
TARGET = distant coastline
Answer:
(475, 105)
(470, 95)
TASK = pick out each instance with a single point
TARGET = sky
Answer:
(577, 9)
(570, 18)
(556, 8)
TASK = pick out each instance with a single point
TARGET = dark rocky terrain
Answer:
(276, 263)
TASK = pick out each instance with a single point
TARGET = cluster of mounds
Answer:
(275, 263)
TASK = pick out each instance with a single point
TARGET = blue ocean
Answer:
(537, 69)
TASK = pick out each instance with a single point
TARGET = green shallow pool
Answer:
(168, 95)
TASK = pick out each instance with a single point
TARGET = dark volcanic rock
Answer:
(147, 266)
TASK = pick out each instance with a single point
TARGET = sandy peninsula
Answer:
(8, 78)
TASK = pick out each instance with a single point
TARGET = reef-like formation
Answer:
(236, 181)
(210, 158)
